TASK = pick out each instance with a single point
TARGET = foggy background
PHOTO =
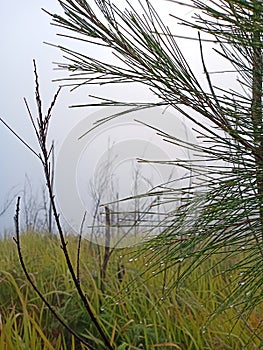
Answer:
(25, 28)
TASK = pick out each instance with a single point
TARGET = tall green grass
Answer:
(136, 314)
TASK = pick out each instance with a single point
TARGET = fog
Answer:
(25, 28)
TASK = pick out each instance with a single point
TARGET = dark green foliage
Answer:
(226, 175)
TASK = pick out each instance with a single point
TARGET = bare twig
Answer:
(19, 138)
(27, 274)
(106, 249)
(52, 172)
(41, 130)
(79, 244)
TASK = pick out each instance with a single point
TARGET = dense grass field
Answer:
(136, 313)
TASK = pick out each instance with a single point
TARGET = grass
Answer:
(135, 313)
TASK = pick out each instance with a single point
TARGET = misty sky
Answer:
(24, 28)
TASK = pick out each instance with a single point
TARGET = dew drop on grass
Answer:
(154, 272)
(131, 259)
(241, 283)
(203, 329)
(102, 309)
